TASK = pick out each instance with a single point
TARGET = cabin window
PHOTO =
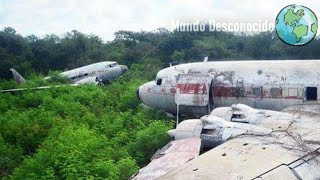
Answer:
(275, 92)
(86, 74)
(159, 82)
(114, 64)
(311, 93)
(73, 77)
(238, 91)
(256, 91)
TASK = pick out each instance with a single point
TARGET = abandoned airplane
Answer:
(197, 88)
(240, 104)
(96, 73)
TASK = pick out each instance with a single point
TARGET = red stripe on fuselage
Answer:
(192, 88)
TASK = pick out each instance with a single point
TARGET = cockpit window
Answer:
(159, 82)
(112, 65)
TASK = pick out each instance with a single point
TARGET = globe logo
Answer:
(296, 25)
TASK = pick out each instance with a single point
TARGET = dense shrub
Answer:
(77, 132)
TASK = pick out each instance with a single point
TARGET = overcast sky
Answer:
(103, 18)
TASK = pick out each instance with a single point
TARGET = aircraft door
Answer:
(194, 90)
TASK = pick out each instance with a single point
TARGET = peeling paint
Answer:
(230, 82)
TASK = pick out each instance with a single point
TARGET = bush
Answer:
(88, 132)
(10, 157)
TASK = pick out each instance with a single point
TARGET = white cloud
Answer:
(106, 17)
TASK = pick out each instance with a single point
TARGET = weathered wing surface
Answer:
(170, 157)
(36, 88)
(289, 151)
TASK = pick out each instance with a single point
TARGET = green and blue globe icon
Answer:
(296, 25)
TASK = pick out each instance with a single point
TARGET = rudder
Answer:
(19, 79)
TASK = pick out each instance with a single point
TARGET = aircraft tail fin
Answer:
(19, 79)
(206, 59)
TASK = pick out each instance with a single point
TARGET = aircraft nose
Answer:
(145, 95)
(124, 68)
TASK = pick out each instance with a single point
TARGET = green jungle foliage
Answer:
(101, 132)
(78, 132)
(33, 55)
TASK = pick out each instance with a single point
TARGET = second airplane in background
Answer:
(96, 73)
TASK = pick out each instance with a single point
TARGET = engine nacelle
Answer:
(187, 129)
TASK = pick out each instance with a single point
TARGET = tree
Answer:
(177, 56)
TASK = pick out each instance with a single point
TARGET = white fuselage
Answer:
(94, 73)
(267, 84)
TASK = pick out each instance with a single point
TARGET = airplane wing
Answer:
(89, 80)
(35, 88)
(256, 144)
(252, 157)
(170, 157)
